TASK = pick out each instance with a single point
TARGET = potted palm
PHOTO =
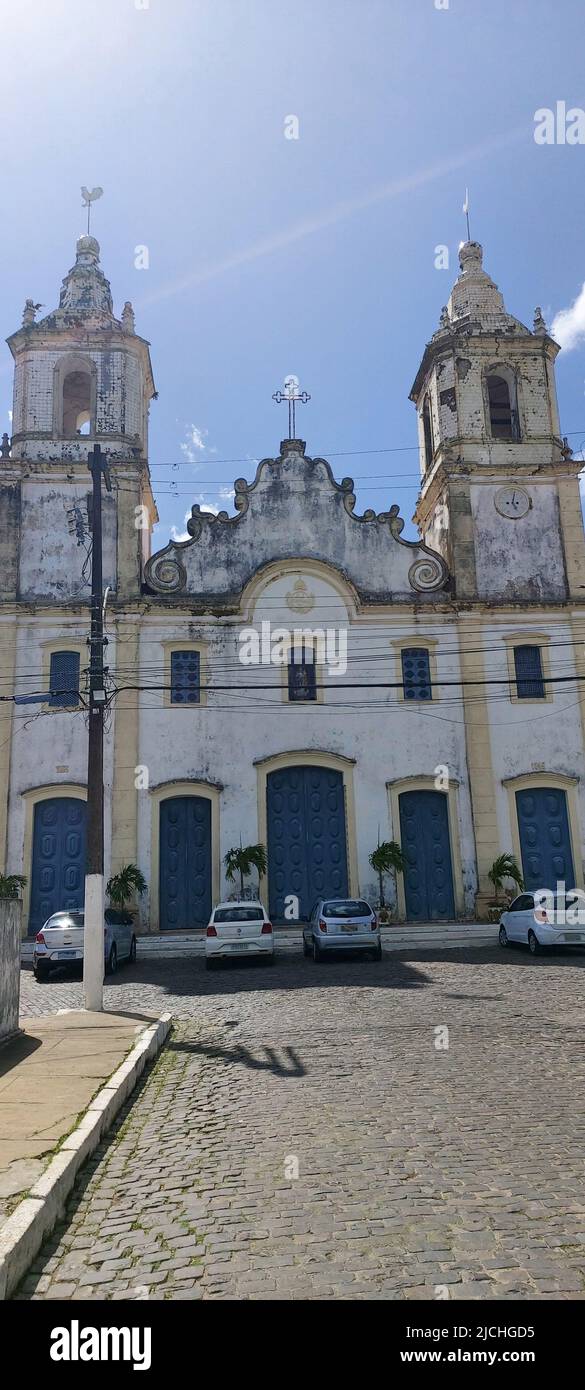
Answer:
(503, 867)
(123, 885)
(11, 885)
(386, 858)
(242, 861)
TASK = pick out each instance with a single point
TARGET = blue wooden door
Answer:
(185, 862)
(428, 878)
(307, 851)
(58, 858)
(545, 842)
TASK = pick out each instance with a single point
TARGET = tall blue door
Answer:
(545, 842)
(307, 851)
(428, 877)
(58, 858)
(185, 862)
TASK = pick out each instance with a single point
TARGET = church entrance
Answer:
(58, 859)
(185, 862)
(545, 841)
(428, 877)
(307, 850)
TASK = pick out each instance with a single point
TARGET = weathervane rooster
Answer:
(88, 199)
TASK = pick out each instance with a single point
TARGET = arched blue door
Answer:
(58, 858)
(428, 878)
(545, 842)
(185, 862)
(307, 851)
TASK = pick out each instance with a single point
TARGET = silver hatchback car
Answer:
(341, 924)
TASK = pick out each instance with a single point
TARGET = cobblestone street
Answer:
(423, 1171)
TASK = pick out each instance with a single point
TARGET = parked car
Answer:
(238, 929)
(341, 924)
(60, 941)
(536, 928)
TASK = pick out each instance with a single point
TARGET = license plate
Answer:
(239, 946)
(573, 936)
(352, 928)
(65, 955)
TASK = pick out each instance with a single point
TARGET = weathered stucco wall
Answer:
(9, 967)
(50, 559)
(518, 559)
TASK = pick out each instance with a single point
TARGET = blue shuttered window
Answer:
(185, 678)
(302, 675)
(64, 680)
(528, 668)
(416, 674)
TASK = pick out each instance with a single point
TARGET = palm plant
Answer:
(387, 858)
(505, 866)
(11, 885)
(241, 861)
(123, 885)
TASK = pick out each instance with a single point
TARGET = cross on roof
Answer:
(291, 395)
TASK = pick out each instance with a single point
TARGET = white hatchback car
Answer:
(60, 941)
(536, 928)
(238, 929)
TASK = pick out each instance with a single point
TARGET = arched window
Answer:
(76, 403)
(503, 413)
(428, 432)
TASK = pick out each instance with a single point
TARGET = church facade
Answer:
(295, 673)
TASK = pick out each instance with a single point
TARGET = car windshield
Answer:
(238, 914)
(346, 907)
(65, 919)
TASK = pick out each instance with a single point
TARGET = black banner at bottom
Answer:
(153, 1337)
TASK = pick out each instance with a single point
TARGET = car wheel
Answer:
(42, 972)
(503, 937)
(306, 948)
(112, 965)
(533, 944)
(377, 954)
(317, 953)
(132, 956)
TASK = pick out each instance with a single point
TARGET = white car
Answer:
(60, 941)
(533, 926)
(238, 929)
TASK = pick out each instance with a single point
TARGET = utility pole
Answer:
(93, 948)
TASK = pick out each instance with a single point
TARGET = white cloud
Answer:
(568, 326)
(194, 444)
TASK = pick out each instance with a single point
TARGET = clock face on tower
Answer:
(512, 502)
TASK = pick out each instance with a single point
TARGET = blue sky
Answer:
(268, 255)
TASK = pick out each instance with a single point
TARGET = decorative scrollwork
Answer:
(166, 575)
(426, 573)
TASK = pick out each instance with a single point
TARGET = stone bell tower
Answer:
(499, 492)
(81, 377)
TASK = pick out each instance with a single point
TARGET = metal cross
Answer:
(291, 395)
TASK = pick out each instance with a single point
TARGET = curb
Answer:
(23, 1233)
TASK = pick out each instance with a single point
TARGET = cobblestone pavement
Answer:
(418, 1166)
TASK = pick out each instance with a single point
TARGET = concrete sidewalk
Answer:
(48, 1076)
(62, 1081)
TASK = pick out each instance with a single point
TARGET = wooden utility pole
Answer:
(93, 949)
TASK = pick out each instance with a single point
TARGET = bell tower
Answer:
(499, 487)
(81, 377)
